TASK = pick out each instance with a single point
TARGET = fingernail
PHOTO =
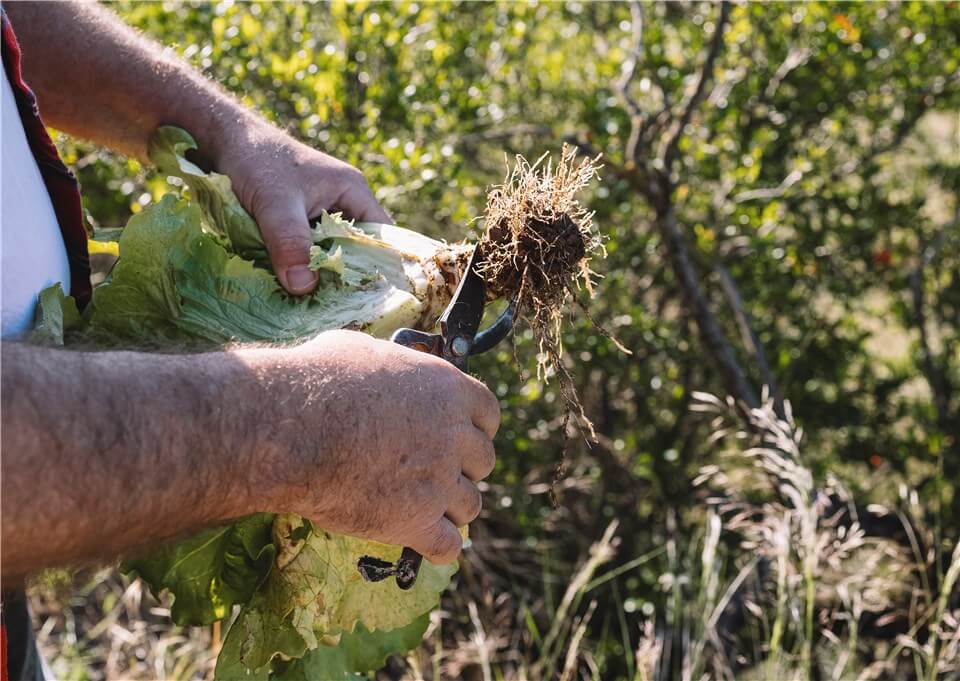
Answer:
(300, 279)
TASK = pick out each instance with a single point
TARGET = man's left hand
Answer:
(283, 184)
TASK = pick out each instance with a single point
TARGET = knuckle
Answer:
(429, 498)
(251, 195)
(489, 460)
(476, 504)
(359, 178)
(289, 245)
(445, 545)
(260, 195)
(493, 407)
(352, 175)
(479, 450)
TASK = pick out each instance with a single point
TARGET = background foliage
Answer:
(780, 202)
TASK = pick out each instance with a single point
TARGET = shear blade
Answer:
(463, 314)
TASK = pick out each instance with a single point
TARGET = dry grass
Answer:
(99, 624)
(829, 589)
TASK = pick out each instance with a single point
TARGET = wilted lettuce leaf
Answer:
(257, 637)
(56, 313)
(316, 583)
(213, 570)
(315, 594)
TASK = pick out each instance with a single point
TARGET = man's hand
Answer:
(365, 437)
(373, 439)
(139, 87)
(283, 183)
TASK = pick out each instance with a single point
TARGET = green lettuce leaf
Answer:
(140, 302)
(211, 192)
(213, 570)
(354, 656)
(56, 313)
(176, 282)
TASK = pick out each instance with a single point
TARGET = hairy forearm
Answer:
(105, 452)
(98, 79)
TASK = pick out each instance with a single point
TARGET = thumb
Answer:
(441, 543)
(286, 231)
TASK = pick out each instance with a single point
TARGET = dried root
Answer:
(537, 247)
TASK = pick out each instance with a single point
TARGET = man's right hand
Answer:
(371, 439)
(364, 437)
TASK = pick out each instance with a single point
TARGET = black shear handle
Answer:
(408, 567)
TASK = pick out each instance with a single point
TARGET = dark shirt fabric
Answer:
(21, 660)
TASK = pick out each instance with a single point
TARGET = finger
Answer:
(466, 503)
(441, 543)
(485, 408)
(358, 202)
(477, 455)
(285, 229)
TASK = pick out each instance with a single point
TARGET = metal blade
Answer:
(461, 320)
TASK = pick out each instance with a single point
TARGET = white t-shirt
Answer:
(32, 253)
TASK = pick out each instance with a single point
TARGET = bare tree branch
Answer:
(703, 79)
(749, 337)
(796, 57)
(629, 67)
(638, 120)
(935, 374)
(767, 193)
(715, 341)
(496, 134)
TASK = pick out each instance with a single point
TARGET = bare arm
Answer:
(97, 78)
(98, 446)
(106, 452)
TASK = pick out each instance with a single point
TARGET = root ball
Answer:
(539, 240)
(536, 249)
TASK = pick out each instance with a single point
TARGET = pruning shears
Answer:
(459, 338)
